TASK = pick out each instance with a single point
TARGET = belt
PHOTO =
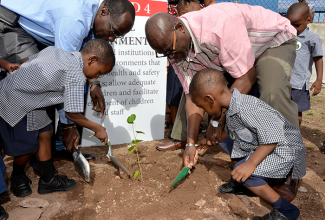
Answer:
(8, 17)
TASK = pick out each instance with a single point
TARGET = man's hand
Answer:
(70, 137)
(10, 67)
(102, 135)
(98, 99)
(190, 157)
(317, 86)
(202, 145)
(241, 173)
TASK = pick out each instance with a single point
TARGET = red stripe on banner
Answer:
(148, 7)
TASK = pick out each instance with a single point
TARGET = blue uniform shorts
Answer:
(17, 141)
(253, 180)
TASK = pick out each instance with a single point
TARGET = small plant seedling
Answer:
(323, 113)
(310, 148)
(323, 116)
(307, 121)
(135, 142)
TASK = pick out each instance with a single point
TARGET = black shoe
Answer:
(3, 214)
(33, 162)
(20, 185)
(234, 188)
(57, 183)
(66, 155)
(274, 215)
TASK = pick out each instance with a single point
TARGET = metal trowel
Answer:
(81, 164)
(114, 159)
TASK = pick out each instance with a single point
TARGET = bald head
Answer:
(159, 31)
(300, 9)
(206, 80)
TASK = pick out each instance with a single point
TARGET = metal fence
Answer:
(281, 6)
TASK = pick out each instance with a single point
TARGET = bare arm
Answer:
(79, 119)
(317, 85)
(246, 169)
(245, 83)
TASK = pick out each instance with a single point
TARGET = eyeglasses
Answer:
(112, 32)
(168, 53)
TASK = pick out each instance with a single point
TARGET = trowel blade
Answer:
(81, 165)
(115, 160)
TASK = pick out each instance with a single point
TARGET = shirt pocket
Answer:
(244, 134)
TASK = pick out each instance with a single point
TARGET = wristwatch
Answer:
(94, 83)
(216, 124)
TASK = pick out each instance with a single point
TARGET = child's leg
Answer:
(300, 118)
(44, 155)
(49, 182)
(276, 201)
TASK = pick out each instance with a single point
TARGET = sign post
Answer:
(136, 85)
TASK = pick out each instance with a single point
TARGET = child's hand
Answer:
(10, 67)
(102, 135)
(317, 86)
(243, 171)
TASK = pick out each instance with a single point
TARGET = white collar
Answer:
(196, 45)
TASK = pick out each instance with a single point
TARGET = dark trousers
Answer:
(15, 46)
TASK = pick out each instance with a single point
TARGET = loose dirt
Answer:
(113, 195)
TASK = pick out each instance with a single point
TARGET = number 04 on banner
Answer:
(148, 7)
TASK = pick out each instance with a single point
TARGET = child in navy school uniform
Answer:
(309, 51)
(50, 77)
(265, 144)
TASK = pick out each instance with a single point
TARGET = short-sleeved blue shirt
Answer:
(60, 23)
(309, 45)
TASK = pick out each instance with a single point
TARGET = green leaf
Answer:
(131, 148)
(131, 118)
(136, 141)
(140, 132)
(136, 174)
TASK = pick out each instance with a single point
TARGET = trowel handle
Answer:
(109, 148)
(73, 149)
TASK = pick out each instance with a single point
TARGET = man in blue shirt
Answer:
(67, 25)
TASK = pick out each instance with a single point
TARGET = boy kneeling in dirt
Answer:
(266, 145)
(51, 77)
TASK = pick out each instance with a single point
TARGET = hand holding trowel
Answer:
(183, 173)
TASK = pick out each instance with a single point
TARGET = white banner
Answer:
(137, 85)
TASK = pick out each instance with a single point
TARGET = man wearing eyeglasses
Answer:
(249, 42)
(67, 25)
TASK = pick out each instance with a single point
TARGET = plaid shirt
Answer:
(50, 77)
(251, 123)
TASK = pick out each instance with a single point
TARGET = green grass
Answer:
(323, 113)
(311, 112)
(310, 148)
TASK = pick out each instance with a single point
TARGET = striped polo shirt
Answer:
(229, 37)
